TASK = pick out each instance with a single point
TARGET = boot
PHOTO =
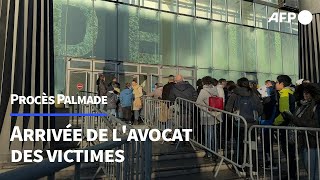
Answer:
(135, 122)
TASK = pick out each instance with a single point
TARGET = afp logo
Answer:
(304, 17)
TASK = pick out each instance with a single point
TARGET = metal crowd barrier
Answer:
(278, 152)
(159, 114)
(219, 132)
(138, 155)
(137, 164)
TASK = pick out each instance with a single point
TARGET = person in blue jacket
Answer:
(126, 98)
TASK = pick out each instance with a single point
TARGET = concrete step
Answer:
(223, 175)
(179, 155)
(185, 166)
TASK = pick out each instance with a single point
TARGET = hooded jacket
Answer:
(243, 92)
(286, 102)
(126, 98)
(208, 118)
(183, 90)
(102, 87)
(307, 115)
(166, 90)
(112, 99)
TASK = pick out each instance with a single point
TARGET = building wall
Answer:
(225, 41)
(309, 38)
(26, 68)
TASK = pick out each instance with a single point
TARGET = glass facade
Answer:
(221, 38)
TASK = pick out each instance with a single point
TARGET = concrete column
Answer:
(309, 48)
(311, 5)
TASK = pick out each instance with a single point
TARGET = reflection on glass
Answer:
(261, 15)
(262, 77)
(295, 50)
(186, 7)
(105, 46)
(263, 59)
(168, 5)
(234, 11)
(167, 40)
(219, 45)
(218, 74)
(203, 8)
(287, 51)
(128, 33)
(272, 24)
(294, 25)
(203, 72)
(128, 68)
(203, 43)
(235, 47)
(235, 75)
(285, 25)
(135, 2)
(150, 3)
(219, 10)
(249, 49)
(247, 13)
(275, 52)
(185, 41)
(149, 70)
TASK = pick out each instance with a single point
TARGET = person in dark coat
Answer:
(183, 90)
(102, 88)
(307, 115)
(167, 88)
(187, 111)
(243, 91)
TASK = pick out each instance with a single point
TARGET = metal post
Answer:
(148, 159)
(77, 171)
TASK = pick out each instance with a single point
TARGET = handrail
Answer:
(46, 168)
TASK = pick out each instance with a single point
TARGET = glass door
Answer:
(76, 78)
(109, 77)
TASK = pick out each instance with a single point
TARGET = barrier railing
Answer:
(137, 163)
(278, 152)
(138, 155)
(159, 113)
(218, 132)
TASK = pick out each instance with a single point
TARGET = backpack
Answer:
(244, 106)
(215, 102)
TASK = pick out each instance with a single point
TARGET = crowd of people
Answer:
(276, 103)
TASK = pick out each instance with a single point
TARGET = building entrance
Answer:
(86, 72)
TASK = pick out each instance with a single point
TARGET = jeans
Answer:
(313, 170)
(210, 137)
(127, 113)
(136, 114)
(112, 112)
(290, 156)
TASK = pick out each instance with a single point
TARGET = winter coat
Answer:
(102, 87)
(112, 99)
(166, 90)
(183, 90)
(157, 93)
(221, 92)
(244, 92)
(286, 102)
(208, 118)
(126, 98)
(307, 115)
(269, 106)
(137, 94)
